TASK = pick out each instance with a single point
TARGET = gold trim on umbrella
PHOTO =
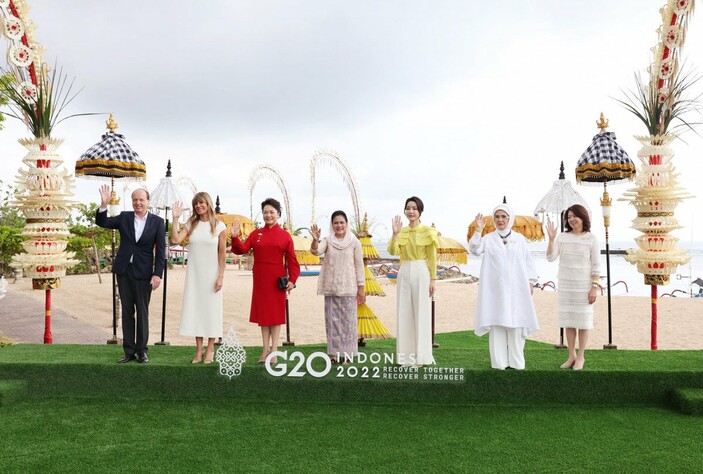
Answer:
(528, 226)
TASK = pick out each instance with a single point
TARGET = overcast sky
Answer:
(458, 102)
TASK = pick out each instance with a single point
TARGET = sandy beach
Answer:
(84, 298)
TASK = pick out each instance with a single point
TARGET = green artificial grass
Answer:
(689, 401)
(73, 408)
(102, 435)
(11, 390)
(611, 378)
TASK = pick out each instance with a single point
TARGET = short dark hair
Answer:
(273, 203)
(580, 212)
(339, 213)
(416, 200)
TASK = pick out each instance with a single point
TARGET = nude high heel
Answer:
(198, 358)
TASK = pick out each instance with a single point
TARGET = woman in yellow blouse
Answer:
(417, 246)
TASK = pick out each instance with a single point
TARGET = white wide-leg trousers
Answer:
(507, 347)
(414, 313)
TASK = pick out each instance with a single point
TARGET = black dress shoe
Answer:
(127, 358)
(143, 359)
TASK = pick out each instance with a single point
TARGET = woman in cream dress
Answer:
(579, 269)
(201, 314)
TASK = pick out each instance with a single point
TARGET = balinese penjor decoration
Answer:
(43, 194)
(44, 189)
(661, 105)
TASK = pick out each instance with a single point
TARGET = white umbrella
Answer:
(166, 193)
(163, 197)
(556, 201)
(560, 197)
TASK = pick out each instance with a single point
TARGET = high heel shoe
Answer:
(578, 365)
(209, 357)
(198, 358)
(567, 364)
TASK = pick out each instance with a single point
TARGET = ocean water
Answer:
(624, 277)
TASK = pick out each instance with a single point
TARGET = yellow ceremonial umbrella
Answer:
(450, 251)
(528, 226)
(247, 226)
(301, 245)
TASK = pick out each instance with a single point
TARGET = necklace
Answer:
(505, 237)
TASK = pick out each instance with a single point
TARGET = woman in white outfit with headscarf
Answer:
(504, 309)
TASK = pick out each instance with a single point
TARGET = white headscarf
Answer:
(511, 220)
(340, 243)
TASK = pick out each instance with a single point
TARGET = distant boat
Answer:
(310, 270)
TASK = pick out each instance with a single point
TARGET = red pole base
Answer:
(653, 344)
(47, 318)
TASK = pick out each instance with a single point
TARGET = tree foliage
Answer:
(11, 224)
(82, 226)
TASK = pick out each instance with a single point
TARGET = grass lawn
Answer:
(72, 408)
(99, 435)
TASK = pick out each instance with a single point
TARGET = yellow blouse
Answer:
(419, 243)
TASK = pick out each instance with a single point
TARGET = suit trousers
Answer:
(507, 347)
(134, 296)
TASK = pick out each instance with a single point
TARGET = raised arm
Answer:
(552, 249)
(178, 232)
(239, 247)
(476, 241)
(397, 225)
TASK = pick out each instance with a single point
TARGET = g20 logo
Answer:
(280, 369)
(302, 366)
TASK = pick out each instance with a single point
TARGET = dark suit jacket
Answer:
(144, 263)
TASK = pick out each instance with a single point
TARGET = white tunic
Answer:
(202, 307)
(579, 264)
(504, 297)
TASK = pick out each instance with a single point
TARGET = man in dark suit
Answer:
(137, 267)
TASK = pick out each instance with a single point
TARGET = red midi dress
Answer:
(268, 301)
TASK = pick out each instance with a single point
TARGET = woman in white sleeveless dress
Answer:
(201, 315)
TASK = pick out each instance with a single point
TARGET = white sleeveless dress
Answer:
(202, 308)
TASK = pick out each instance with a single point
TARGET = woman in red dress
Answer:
(268, 302)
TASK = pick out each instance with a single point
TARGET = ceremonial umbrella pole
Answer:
(163, 197)
(556, 201)
(605, 161)
(367, 324)
(449, 252)
(112, 158)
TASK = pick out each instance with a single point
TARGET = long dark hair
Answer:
(580, 212)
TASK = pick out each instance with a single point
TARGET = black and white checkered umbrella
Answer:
(604, 161)
(111, 157)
